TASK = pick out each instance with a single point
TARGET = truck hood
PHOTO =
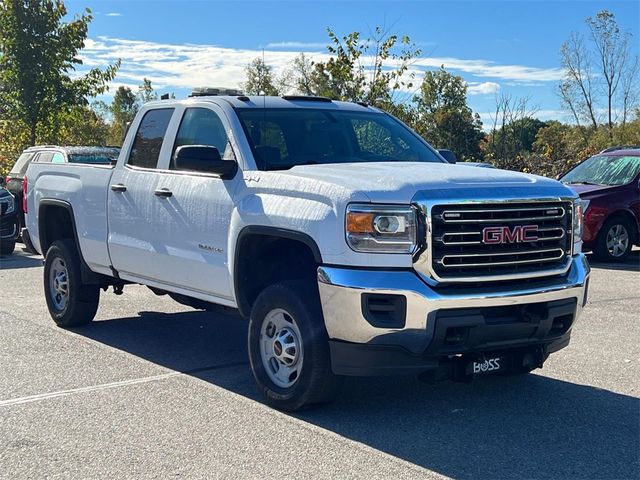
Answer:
(399, 182)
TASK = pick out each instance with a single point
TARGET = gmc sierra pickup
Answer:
(349, 243)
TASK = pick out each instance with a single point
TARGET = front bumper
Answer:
(445, 322)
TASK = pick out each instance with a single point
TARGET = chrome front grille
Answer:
(485, 241)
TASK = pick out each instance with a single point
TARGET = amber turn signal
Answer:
(359, 222)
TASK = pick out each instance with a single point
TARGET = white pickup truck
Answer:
(351, 245)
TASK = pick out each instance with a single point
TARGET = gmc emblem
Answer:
(517, 234)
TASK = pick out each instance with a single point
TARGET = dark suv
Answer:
(53, 154)
(8, 222)
(609, 183)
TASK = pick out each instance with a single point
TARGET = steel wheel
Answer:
(59, 284)
(281, 348)
(617, 240)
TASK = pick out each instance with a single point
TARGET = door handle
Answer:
(163, 192)
(118, 187)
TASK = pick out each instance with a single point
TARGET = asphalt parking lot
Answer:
(153, 389)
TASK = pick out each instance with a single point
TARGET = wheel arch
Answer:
(50, 230)
(257, 242)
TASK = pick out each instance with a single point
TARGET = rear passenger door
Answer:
(134, 218)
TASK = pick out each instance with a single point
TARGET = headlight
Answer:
(11, 205)
(381, 228)
(579, 208)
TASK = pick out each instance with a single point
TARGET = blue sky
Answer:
(505, 46)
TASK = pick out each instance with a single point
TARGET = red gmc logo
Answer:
(517, 234)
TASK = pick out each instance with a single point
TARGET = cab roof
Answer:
(259, 101)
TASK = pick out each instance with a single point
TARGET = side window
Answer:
(44, 157)
(22, 163)
(57, 158)
(148, 141)
(201, 126)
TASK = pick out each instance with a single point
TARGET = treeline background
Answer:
(44, 100)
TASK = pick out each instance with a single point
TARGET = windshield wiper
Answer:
(584, 183)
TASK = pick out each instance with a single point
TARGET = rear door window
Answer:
(149, 137)
(22, 163)
(44, 157)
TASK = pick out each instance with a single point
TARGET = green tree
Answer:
(122, 109)
(82, 126)
(260, 79)
(372, 70)
(38, 59)
(146, 93)
(443, 116)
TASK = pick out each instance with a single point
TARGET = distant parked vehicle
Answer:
(609, 184)
(53, 154)
(478, 164)
(451, 157)
(8, 222)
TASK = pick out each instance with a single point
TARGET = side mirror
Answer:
(448, 155)
(203, 158)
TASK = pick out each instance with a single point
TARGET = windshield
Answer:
(283, 138)
(605, 170)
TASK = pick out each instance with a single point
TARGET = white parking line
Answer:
(93, 388)
(123, 383)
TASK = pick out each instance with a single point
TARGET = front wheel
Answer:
(289, 349)
(71, 303)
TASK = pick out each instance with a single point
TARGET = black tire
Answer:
(19, 225)
(7, 246)
(82, 300)
(601, 251)
(315, 383)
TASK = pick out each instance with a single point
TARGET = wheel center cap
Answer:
(285, 347)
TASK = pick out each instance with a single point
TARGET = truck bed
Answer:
(84, 188)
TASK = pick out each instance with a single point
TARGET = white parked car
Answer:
(349, 243)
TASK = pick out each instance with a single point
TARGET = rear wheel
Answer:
(615, 240)
(70, 302)
(289, 349)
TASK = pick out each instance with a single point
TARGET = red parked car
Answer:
(609, 183)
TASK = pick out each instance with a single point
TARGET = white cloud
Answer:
(314, 45)
(484, 88)
(487, 68)
(190, 65)
(179, 66)
(113, 14)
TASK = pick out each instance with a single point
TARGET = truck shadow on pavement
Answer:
(499, 427)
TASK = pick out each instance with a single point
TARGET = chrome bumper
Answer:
(341, 291)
